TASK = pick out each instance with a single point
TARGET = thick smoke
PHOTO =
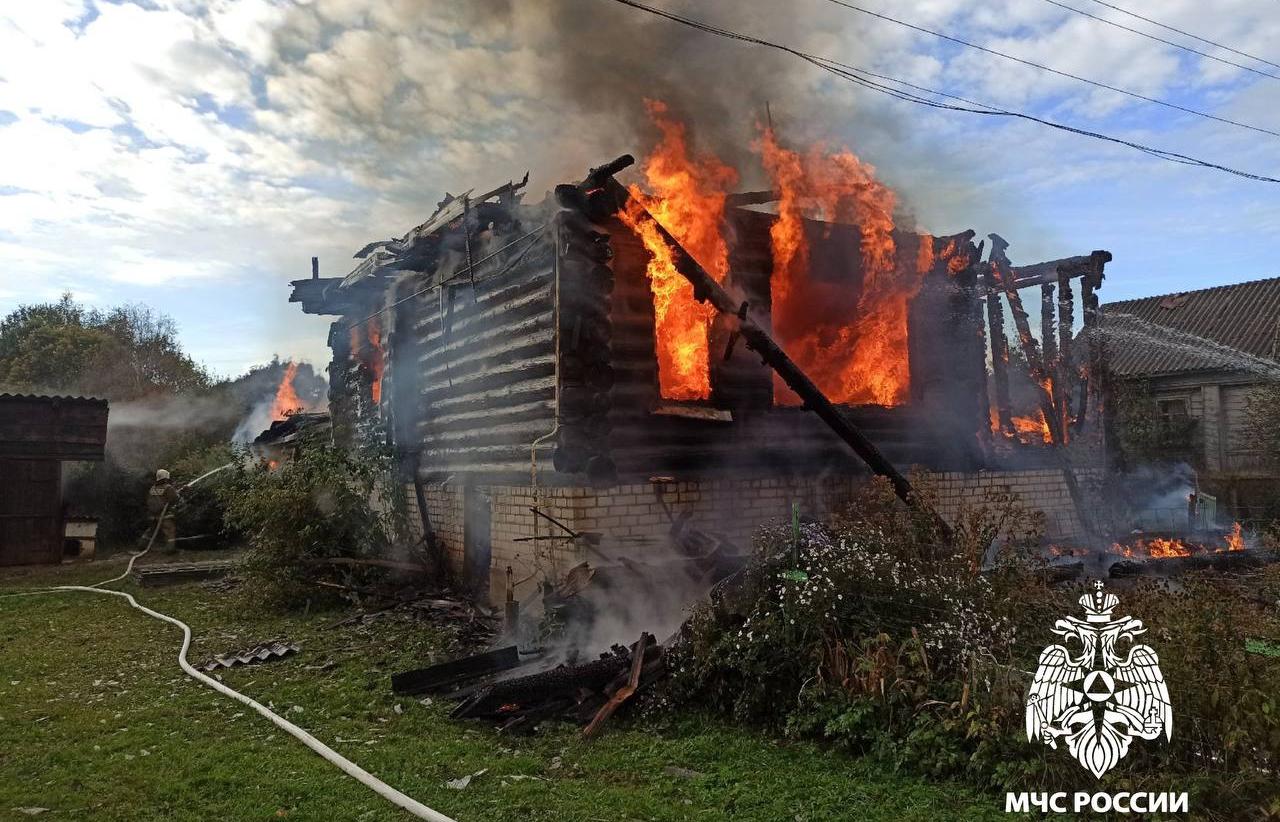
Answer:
(475, 92)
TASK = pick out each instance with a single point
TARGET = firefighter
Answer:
(161, 500)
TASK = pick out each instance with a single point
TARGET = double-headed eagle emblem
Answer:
(1094, 698)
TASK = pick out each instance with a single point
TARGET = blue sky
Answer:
(194, 154)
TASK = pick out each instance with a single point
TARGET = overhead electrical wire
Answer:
(1096, 83)
(1168, 42)
(1187, 34)
(1206, 55)
(861, 77)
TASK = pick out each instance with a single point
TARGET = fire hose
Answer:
(348, 767)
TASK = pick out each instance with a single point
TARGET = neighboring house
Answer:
(1201, 354)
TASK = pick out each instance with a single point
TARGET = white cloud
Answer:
(189, 142)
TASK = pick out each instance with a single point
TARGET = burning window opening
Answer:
(367, 350)
(687, 197)
(851, 338)
(1029, 429)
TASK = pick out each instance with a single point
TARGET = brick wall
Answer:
(734, 508)
(1043, 490)
(444, 505)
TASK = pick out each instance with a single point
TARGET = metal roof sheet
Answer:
(50, 398)
(1229, 327)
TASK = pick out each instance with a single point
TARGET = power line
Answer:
(985, 108)
(860, 77)
(967, 44)
(1187, 34)
(1206, 55)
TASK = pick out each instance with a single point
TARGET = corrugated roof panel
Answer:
(56, 397)
(1231, 327)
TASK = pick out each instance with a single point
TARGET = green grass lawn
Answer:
(97, 721)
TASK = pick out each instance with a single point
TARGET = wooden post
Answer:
(971, 289)
(1096, 382)
(1066, 371)
(999, 352)
(1046, 324)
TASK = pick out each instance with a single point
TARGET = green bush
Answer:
(202, 510)
(324, 504)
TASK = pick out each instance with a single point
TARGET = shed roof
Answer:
(53, 428)
(1229, 327)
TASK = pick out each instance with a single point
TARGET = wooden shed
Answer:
(38, 434)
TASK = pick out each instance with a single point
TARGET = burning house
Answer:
(615, 356)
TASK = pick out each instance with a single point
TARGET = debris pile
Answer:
(587, 694)
(175, 573)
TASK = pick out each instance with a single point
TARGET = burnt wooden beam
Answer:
(448, 674)
(999, 353)
(1066, 362)
(1047, 331)
(1094, 379)
(746, 198)
(706, 289)
(625, 692)
(971, 302)
(1048, 272)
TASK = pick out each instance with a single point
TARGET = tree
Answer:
(126, 353)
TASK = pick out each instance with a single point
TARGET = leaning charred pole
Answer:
(1093, 372)
(1003, 272)
(600, 195)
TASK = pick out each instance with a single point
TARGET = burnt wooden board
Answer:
(447, 674)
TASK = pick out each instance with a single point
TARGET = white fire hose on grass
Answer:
(348, 767)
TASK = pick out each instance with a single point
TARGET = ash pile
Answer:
(584, 674)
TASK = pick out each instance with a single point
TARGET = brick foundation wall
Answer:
(734, 508)
(1043, 490)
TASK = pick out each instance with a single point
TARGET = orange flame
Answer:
(1157, 547)
(687, 199)
(372, 356)
(1163, 547)
(286, 401)
(1235, 542)
(855, 349)
(375, 358)
(1029, 427)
